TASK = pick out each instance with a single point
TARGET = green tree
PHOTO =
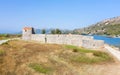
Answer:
(43, 31)
(53, 31)
(58, 31)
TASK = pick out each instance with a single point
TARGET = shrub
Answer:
(56, 31)
(43, 31)
(75, 50)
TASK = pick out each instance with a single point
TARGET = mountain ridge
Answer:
(110, 27)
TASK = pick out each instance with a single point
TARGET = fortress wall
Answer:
(93, 44)
(38, 37)
(76, 40)
(69, 39)
(64, 39)
(56, 39)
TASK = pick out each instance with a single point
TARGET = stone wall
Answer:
(93, 44)
(69, 39)
(76, 40)
(38, 37)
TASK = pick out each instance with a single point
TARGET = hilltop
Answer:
(19, 57)
(109, 27)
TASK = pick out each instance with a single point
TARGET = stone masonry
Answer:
(68, 39)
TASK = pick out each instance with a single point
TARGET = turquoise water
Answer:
(108, 40)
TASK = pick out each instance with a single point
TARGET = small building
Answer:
(27, 32)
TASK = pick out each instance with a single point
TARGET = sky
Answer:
(62, 14)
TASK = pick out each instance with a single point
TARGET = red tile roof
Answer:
(27, 28)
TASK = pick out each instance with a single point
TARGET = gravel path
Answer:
(3, 41)
(114, 52)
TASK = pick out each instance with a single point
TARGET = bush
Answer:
(75, 50)
(43, 31)
(56, 31)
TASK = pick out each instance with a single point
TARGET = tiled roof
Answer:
(27, 28)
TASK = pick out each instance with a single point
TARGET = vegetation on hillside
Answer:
(31, 58)
(39, 68)
(8, 36)
(110, 30)
(88, 56)
(110, 27)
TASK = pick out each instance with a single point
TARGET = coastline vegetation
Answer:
(8, 36)
(112, 30)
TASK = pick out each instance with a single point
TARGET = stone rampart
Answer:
(77, 40)
(69, 39)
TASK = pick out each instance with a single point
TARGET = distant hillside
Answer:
(109, 27)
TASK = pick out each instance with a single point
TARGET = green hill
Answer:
(109, 27)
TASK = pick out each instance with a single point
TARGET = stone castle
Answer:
(69, 39)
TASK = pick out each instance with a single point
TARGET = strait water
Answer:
(108, 40)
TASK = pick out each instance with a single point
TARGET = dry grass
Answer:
(28, 58)
(87, 56)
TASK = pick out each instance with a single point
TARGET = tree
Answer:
(43, 31)
(53, 31)
(56, 31)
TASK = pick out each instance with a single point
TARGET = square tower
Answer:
(27, 32)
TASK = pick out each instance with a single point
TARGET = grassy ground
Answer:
(30, 58)
(39, 68)
(88, 56)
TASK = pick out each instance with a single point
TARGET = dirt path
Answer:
(114, 52)
(3, 41)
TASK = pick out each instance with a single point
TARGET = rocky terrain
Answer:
(109, 27)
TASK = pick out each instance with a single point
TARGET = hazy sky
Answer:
(63, 14)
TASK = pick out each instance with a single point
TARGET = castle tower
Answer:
(27, 32)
